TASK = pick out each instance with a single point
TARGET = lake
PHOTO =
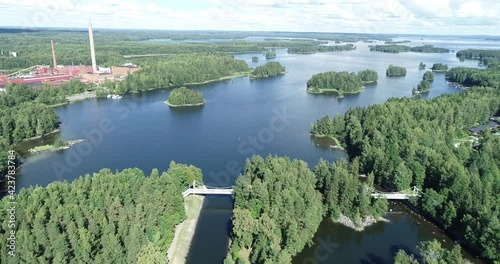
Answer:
(241, 117)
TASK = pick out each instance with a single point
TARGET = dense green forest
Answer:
(185, 97)
(439, 67)
(339, 82)
(403, 48)
(315, 49)
(272, 229)
(270, 55)
(431, 252)
(268, 70)
(461, 184)
(428, 76)
(474, 77)
(485, 57)
(368, 76)
(395, 71)
(181, 69)
(121, 217)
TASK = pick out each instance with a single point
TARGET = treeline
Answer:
(393, 70)
(340, 82)
(410, 142)
(403, 48)
(270, 228)
(179, 70)
(439, 67)
(486, 57)
(315, 49)
(474, 77)
(431, 252)
(122, 217)
(268, 70)
(185, 97)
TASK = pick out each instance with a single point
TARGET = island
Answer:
(422, 66)
(368, 76)
(336, 82)
(439, 67)
(423, 87)
(180, 97)
(314, 49)
(255, 59)
(403, 48)
(485, 57)
(270, 55)
(269, 69)
(395, 71)
(58, 145)
(428, 76)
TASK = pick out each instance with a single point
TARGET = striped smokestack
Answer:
(92, 51)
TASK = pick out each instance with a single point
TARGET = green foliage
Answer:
(105, 218)
(428, 76)
(314, 49)
(368, 76)
(403, 258)
(395, 71)
(185, 174)
(424, 86)
(403, 48)
(275, 227)
(343, 82)
(255, 59)
(269, 69)
(184, 97)
(431, 252)
(485, 57)
(270, 55)
(180, 70)
(422, 66)
(439, 67)
(474, 77)
(460, 189)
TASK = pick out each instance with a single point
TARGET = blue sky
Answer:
(464, 17)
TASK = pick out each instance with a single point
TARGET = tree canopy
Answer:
(431, 252)
(341, 82)
(393, 48)
(395, 71)
(270, 54)
(268, 70)
(439, 67)
(428, 76)
(474, 77)
(185, 97)
(314, 49)
(368, 76)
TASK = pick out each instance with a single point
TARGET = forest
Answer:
(485, 57)
(122, 217)
(179, 70)
(339, 82)
(403, 48)
(439, 67)
(318, 48)
(474, 77)
(268, 70)
(368, 76)
(185, 97)
(395, 71)
(431, 252)
(461, 185)
(272, 229)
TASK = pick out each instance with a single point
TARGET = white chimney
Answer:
(92, 50)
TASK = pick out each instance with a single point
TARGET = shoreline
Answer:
(184, 232)
(267, 76)
(184, 105)
(321, 91)
(337, 146)
(45, 148)
(229, 77)
(37, 137)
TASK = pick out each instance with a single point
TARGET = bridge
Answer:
(208, 190)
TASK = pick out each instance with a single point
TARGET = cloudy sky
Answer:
(463, 17)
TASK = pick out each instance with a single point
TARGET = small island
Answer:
(395, 71)
(255, 59)
(337, 82)
(269, 69)
(439, 67)
(270, 55)
(314, 49)
(58, 145)
(422, 66)
(428, 76)
(423, 87)
(368, 76)
(392, 48)
(183, 96)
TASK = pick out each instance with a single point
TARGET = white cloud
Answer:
(364, 16)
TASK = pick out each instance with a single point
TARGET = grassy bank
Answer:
(184, 232)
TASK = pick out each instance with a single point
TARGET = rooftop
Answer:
(480, 129)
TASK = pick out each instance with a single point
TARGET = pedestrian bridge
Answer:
(208, 190)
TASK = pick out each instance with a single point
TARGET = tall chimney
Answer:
(92, 51)
(53, 54)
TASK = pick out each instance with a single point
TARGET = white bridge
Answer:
(207, 190)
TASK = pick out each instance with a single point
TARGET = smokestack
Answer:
(92, 51)
(53, 54)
